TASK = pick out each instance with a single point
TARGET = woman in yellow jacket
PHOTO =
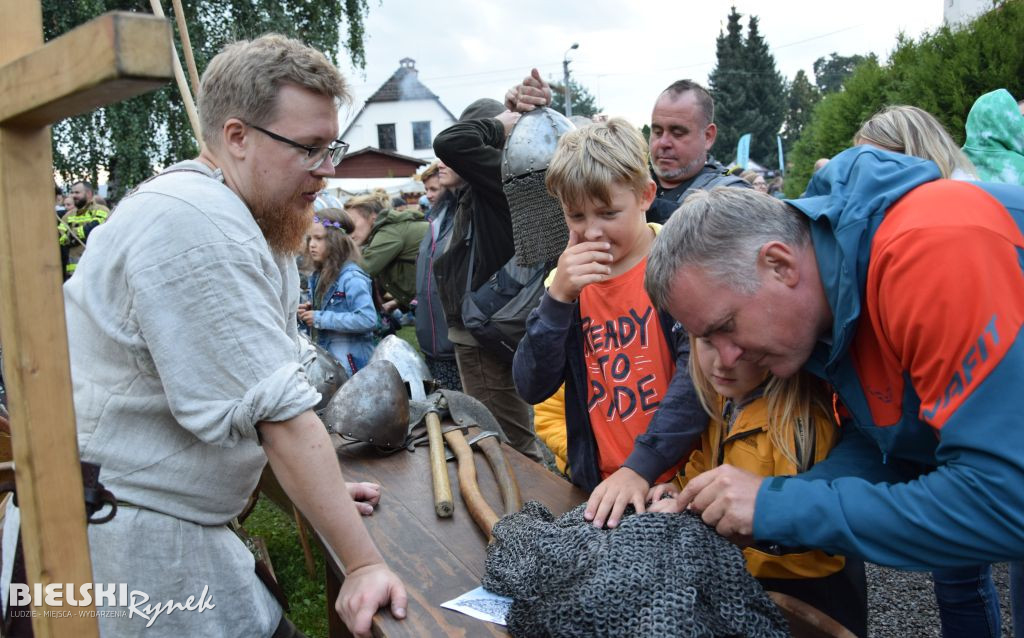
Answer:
(773, 427)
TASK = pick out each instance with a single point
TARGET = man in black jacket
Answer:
(682, 133)
(440, 183)
(472, 148)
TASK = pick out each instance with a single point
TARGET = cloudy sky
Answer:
(629, 49)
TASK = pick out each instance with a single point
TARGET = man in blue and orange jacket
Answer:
(905, 292)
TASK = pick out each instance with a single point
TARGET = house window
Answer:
(386, 137)
(421, 135)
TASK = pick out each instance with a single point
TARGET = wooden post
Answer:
(179, 77)
(127, 54)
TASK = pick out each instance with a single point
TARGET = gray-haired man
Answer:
(854, 283)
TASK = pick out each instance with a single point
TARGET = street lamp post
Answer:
(565, 74)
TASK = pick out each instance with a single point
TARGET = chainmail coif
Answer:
(654, 575)
(538, 224)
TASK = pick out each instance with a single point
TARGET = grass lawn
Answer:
(305, 595)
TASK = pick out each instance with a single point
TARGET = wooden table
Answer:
(437, 559)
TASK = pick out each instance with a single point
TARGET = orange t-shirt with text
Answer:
(628, 361)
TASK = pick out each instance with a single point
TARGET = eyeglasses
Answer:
(315, 155)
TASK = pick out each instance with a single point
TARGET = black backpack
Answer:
(495, 313)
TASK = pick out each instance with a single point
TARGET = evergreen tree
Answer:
(728, 88)
(130, 140)
(831, 72)
(583, 103)
(766, 93)
(801, 96)
(749, 92)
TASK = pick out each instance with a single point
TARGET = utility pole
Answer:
(565, 75)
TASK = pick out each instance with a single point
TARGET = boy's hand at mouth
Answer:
(582, 263)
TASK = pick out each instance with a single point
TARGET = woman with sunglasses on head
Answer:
(340, 316)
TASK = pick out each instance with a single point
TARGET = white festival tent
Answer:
(343, 188)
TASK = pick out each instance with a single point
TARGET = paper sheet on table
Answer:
(482, 605)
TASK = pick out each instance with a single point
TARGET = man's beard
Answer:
(283, 227)
(680, 173)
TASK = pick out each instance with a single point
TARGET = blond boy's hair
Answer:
(590, 159)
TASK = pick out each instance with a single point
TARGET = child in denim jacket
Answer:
(341, 316)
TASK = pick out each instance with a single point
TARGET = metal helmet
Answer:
(538, 226)
(372, 407)
(409, 363)
(325, 373)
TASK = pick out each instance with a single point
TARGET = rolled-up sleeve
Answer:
(215, 327)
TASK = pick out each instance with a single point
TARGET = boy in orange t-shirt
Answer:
(630, 408)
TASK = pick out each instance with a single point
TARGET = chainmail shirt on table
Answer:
(654, 575)
(538, 224)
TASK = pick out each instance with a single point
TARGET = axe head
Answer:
(372, 407)
(418, 410)
(410, 365)
(466, 412)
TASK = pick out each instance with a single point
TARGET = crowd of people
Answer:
(820, 378)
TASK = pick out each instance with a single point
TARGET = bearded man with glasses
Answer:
(185, 363)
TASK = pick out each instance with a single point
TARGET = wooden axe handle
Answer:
(502, 473)
(439, 468)
(478, 508)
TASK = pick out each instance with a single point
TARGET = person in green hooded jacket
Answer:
(995, 138)
(390, 242)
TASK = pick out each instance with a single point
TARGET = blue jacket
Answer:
(552, 353)
(345, 325)
(924, 280)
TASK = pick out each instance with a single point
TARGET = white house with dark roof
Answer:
(402, 116)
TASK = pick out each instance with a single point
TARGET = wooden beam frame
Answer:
(108, 59)
(105, 60)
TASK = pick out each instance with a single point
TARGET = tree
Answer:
(767, 101)
(831, 72)
(129, 141)
(834, 121)
(943, 73)
(749, 92)
(728, 87)
(583, 103)
(801, 97)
